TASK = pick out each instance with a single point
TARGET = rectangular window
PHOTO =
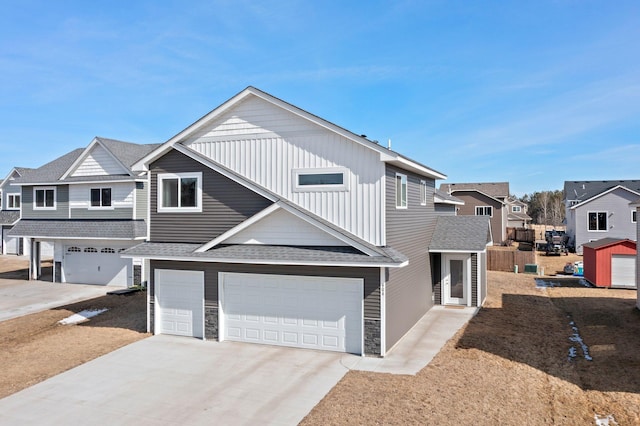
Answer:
(597, 221)
(634, 216)
(423, 192)
(401, 191)
(100, 197)
(516, 209)
(180, 192)
(44, 198)
(13, 201)
(325, 179)
(484, 211)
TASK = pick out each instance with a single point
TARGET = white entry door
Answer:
(299, 311)
(456, 279)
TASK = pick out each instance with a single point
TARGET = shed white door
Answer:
(305, 312)
(96, 265)
(623, 270)
(179, 302)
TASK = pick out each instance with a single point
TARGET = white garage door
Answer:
(96, 265)
(623, 270)
(305, 312)
(11, 245)
(179, 302)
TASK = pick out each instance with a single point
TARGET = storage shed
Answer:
(610, 262)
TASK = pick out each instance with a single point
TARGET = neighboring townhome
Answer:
(10, 213)
(635, 205)
(90, 206)
(517, 216)
(600, 209)
(271, 225)
(483, 199)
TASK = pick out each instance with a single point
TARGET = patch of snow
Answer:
(82, 316)
(607, 420)
(576, 338)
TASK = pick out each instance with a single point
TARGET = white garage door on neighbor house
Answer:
(96, 265)
(299, 311)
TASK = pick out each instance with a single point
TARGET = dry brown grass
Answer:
(510, 365)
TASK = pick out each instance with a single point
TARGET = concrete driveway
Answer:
(20, 297)
(176, 380)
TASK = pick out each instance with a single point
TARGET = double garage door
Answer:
(96, 265)
(298, 311)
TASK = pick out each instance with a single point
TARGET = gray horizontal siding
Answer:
(141, 195)
(371, 278)
(62, 204)
(408, 289)
(120, 213)
(225, 204)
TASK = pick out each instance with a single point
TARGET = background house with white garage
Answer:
(10, 213)
(89, 205)
(270, 225)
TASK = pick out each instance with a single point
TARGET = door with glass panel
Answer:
(455, 282)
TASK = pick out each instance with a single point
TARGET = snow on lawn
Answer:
(82, 316)
(576, 338)
(605, 420)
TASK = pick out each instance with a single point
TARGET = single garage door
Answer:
(96, 265)
(623, 270)
(305, 312)
(179, 302)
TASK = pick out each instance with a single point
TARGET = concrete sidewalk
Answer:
(418, 347)
(20, 297)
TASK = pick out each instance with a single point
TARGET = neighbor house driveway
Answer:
(20, 297)
(176, 380)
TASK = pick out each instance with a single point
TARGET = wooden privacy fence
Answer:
(521, 235)
(505, 260)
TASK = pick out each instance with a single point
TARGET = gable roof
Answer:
(21, 171)
(585, 189)
(606, 242)
(492, 189)
(386, 155)
(55, 171)
(588, 200)
(461, 234)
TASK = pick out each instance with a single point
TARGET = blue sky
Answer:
(533, 93)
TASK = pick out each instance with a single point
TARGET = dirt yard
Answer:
(514, 363)
(35, 347)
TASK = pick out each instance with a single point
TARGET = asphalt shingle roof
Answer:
(447, 197)
(255, 253)
(9, 217)
(461, 233)
(52, 171)
(604, 242)
(69, 229)
(493, 189)
(583, 189)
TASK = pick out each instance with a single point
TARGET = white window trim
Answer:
(634, 212)
(101, 207)
(404, 182)
(596, 212)
(196, 209)
(423, 192)
(12, 205)
(513, 209)
(484, 207)
(324, 170)
(45, 188)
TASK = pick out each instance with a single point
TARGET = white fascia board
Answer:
(240, 227)
(85, 153)
(216, 167)
(480, 192)
(455, 251)
(332, 232)
(40, 237)
(267, 262)
(407, 164)
(6, 179)
(603, 193)
(81, 182)
(439, 200)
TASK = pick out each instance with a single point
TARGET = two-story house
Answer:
(483, 199)
(89, 205)
(517, 216)
(10, 213)
(271, 225)
(600, 209)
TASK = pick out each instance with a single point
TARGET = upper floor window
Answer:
(44, 198)
(423, 192)
(516, 209)
(634, 216)
(597, 221)
(100, 197)
(401, 191)
(180, 192)
(484, 211)
(13, 201)
(325, 179)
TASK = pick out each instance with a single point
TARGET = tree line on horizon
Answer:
(545, 207)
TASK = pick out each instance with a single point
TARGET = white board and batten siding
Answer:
(122, 194)
(98, 163)
(266, 144)
(283, 228)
